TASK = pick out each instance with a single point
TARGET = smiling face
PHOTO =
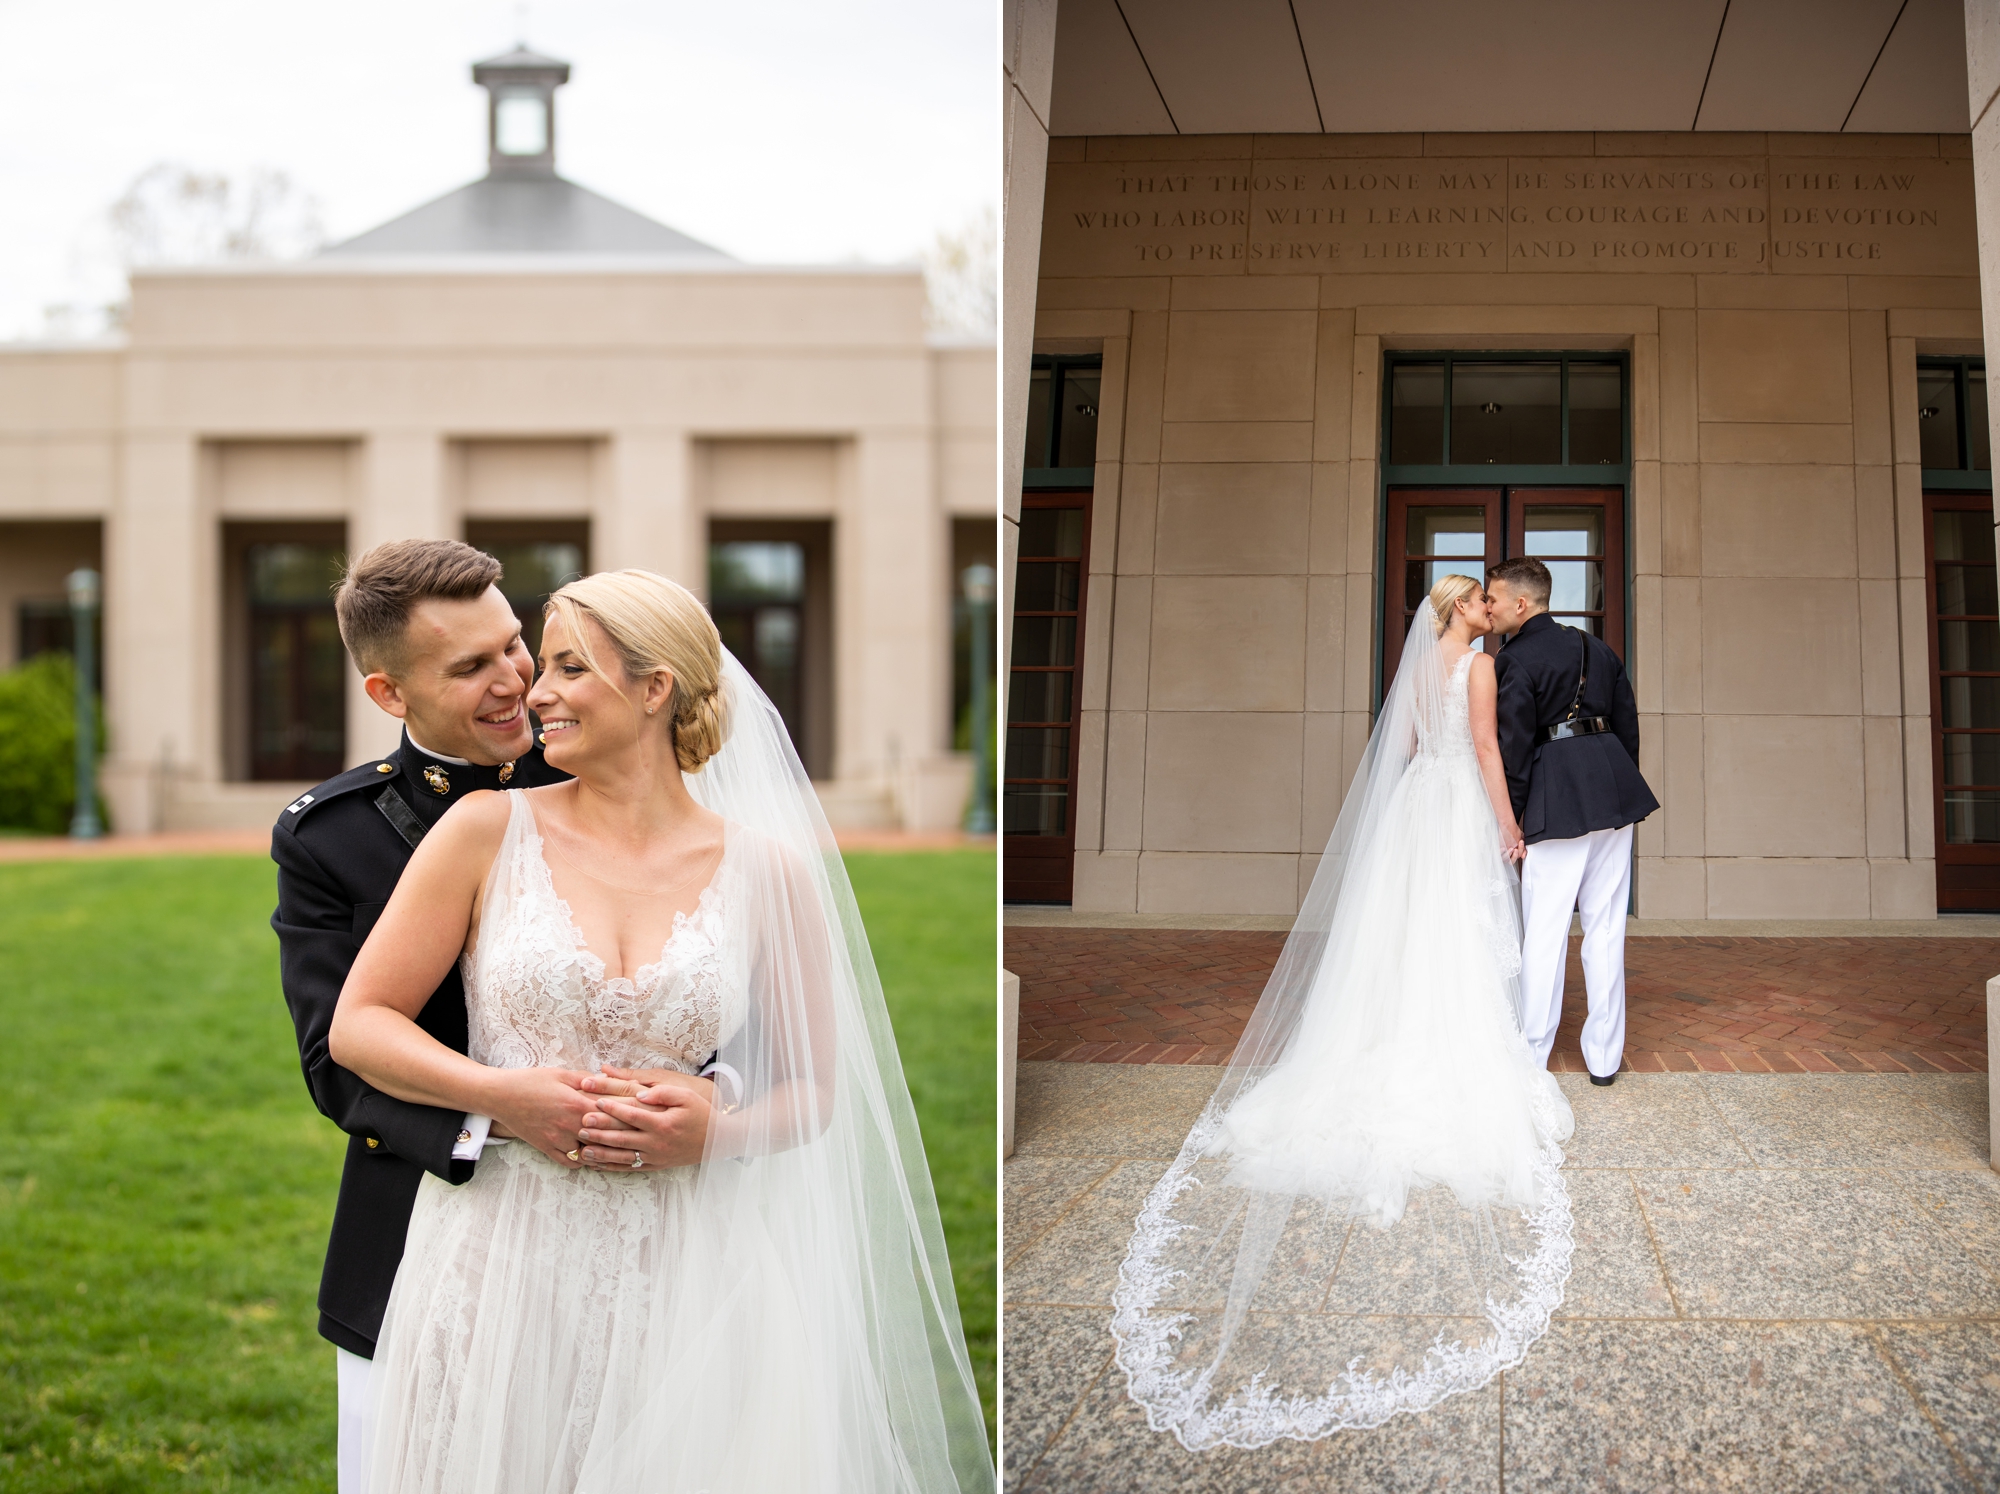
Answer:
(461, 683)
(585, 716)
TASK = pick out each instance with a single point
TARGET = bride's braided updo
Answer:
(654, 623)
(1445, 597)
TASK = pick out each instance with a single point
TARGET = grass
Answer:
(165, 1185)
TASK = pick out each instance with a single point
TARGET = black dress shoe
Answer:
(1605, 1082)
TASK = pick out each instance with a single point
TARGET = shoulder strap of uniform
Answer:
(1582, 672)
(399, 814)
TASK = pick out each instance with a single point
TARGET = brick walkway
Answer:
(1749, 1005)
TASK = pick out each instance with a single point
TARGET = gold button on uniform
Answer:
(385, 767)
(373, 1143)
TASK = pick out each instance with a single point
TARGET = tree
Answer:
(174, 214)
(962, 277)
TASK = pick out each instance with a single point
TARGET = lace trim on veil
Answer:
(1254, 1414)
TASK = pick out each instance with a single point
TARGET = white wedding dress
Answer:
(1369, 1216)
(777, 1318)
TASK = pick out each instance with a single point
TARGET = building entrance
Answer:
(1578, 533)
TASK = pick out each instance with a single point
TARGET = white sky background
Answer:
(781, 131)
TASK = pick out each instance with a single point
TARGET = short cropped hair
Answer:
(1526, 575)
(383, 587)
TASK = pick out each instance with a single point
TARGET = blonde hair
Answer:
(1445, 597)
(655, 624)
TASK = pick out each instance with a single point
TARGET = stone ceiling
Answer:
(1153, 67)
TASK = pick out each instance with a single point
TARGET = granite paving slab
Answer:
(1040, 1190)
(1076, 1262)
(1142, 1110)
(1616, 1270)
(1054, 1356)
(1109, 1449)
(1955, 1370)
(1782, 1282)
(1648, 1120)
(1847, 1120)
(1700, 1406)
(1820, 1243)
(1965, 1202)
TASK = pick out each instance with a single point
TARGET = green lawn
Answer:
(165, 1184)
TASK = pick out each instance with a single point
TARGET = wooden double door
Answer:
(1963, 600)
(1578, 533)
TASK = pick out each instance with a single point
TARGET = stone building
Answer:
(1310, 306)
(531, 367)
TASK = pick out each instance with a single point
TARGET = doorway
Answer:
(1961, 592)
(770, 591)
(1578, 533)
(1038, 792)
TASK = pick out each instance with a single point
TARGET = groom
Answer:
(1569, 739)
(440, 648)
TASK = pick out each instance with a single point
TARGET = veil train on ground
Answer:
(1368, 1216)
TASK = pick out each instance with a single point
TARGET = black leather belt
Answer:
(1585, 726)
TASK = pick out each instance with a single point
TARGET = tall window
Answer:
(1038, 792)
(1963, 601)
(298, 668)
(536, 558)
(770, 590)
(1062, 421)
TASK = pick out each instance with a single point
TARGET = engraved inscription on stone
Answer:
(1695, 215)
(1707, 215)
(1397, 214)
(1147, 218)
(1884, 217)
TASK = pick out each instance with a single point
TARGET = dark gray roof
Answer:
(525, 215)
(523, 57)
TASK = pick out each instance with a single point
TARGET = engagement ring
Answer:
(637, 1160)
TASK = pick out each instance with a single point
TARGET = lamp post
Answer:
(83, 599)
(978, 584)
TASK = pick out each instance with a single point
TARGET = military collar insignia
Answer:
(437, 778)
(506, 772)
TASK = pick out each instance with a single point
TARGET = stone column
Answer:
(1982, 79)
(403, 493)
(643, 513)
(1029, 57)
(163, 700)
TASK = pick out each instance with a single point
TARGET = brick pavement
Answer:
(1717, 1004)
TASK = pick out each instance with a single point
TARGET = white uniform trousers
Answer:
(1593, 875)
(356, 1447)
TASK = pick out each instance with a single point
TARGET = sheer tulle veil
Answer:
(1383, 1224)
(814, 1308)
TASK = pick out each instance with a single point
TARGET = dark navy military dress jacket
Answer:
(340, 851)
(1566, 789)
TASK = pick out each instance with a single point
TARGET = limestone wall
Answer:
(406, 398)
(1773, 293)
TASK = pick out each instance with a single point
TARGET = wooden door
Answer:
(1433, 533)
(1044, 670)
(1960, 591)
(1579, 534)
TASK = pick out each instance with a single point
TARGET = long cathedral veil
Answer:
(814, 1338)
(1367, 1216)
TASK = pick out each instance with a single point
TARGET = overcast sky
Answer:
(782, 131)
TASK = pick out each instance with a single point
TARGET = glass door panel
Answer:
(1038, 789)
(298, 668)
(1578, 533)
(1965, 698)
(1434, 533)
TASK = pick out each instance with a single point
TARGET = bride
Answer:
(779, 1316)
(1368, 1216)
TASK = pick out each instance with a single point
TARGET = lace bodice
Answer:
(1451, 733)
(537, 996)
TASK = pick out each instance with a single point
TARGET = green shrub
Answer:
(38, 745)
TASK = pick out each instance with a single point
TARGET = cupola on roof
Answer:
(521, 205)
